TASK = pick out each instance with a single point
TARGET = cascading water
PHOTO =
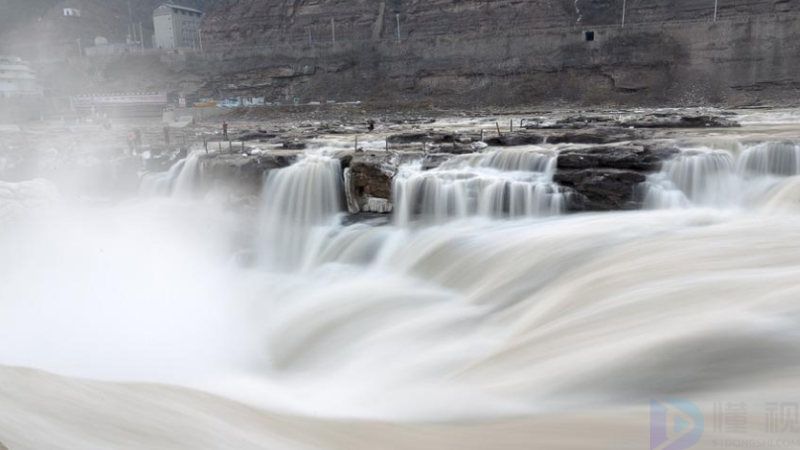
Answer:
(469, 334)
(770, 158)
(179, 181)
(495, 184)
(722, 178)
(185, 185)
(299, 202)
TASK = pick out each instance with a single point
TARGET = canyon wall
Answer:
(468, 52)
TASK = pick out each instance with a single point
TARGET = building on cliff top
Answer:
(176, 27)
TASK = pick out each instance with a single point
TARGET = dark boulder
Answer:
(594, 136)
(587, 136)
(244, 173)
(294, 145)
(601, 189)
(679, 121)
(455, 148)
(644, 158)
(432, 137)
(368, 183)
(259, 135)
(606, 178)
(515, 139)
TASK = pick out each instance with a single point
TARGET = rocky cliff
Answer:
(505, 51)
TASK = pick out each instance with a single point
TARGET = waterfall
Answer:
(298, 203)
(721, 178)
(160, 184)
(180, 181)
(770, 158)
(495, 184)
(558, 333)
(188, 179)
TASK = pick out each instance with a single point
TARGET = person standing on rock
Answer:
(131, 143)
(225, 130)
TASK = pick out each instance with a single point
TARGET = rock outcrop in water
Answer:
(368, 183)
(606, 178)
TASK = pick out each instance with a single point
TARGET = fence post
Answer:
(623, 12)
(397, 17)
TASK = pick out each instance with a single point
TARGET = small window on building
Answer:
(589, 36)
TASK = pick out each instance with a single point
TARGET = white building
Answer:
(176, 26)
(17, 79)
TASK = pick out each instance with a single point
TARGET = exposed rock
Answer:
(625, 119)
(606, 178)
(294, 145)
(368, 183)
(245, 173)
(432, 137)
(517, 138)
(589, 136)
(259, 135)
(601, 189)
(643, 158)
(679, 121)
(594, 136)
(510, 51)
(455, 148)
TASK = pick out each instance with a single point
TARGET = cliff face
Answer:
(505, 51)
(256, 22)
(459, 52)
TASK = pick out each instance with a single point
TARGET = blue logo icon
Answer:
(674, 425)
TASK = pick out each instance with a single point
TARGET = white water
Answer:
(299, 202)
(447, 334)
(501, 183)
(704, 176)
(179, 181)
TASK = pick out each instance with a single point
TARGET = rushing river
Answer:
(482, 317)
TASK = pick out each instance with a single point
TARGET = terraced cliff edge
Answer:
(506, 51)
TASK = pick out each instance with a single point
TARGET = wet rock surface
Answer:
(606, 178)
(641, 158)
(578, 136)
(244, 173)
(627, 119)
(368, 182)
(601, 189)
